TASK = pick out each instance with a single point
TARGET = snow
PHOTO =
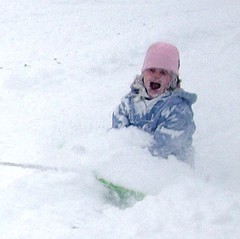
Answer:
(64, 67)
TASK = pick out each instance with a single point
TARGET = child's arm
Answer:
(174, 134)
(120, 115)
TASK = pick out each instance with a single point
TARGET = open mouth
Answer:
(155, 86)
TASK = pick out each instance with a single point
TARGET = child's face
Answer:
(156, 81)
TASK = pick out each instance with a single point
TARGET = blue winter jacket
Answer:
(168, 117)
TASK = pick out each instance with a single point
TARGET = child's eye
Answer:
(163, 72)
(152, 70)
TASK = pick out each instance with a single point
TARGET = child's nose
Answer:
(157, 74)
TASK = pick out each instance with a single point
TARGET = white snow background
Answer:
(64, 66)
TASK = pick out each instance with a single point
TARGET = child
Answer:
(157, 104)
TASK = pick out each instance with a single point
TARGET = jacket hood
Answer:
(191, 98)
(137, 88)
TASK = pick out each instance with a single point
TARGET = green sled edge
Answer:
(122, 192)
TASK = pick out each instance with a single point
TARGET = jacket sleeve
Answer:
(120, 117)
(173, 134)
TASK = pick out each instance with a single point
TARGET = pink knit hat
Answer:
(162, 55)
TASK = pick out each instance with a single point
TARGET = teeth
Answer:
(155, 85)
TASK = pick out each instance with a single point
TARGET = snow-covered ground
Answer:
(64, 66)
